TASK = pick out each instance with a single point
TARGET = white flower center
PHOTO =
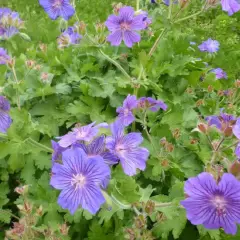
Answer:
(78, 181)
(125, 26)
(57, 4)
(125, 112)
(81, 134)
(220, 203)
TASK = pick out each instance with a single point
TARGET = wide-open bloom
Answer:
(84, 133)
(57, 151)
(3, 56)
(80, 179)
(210, 46)
(124, 27)
(224, 122)
(151, 104)
(126, 148)
(97, 148)
(57, 8)
(211, 204)
(219, 73)
(230, 6)
(10, 23)
(125, 114)
(5, 119)
(68, 37)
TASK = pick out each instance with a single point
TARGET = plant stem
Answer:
(39, 145)
(2, 135)
(220, 143)
(137, 4)
(117, 65)
(168, 204)
(210, 142)
(230, 146)
(170, 9)
(156, 42)
(17, 82)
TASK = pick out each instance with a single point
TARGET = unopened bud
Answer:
(81, 27)
(237, 83)
(99, 27)
(189, 90)
(44, 76)
(163, 141)
(149, 208)
(169, 147)
(183, 3)
(11, 62)
(30, 63)
(228, 131)
(220, 93)
(21, 190)
(234, 168)
(199, 102)
(39, 211)
(176, 133)
(202, 127)
(140, 221)
(43, 47)
(27, 207)
(131, 233)
(210, 88)
(117, 7)
(64, 229)
(212, 3)
(165, 163)
(193, 141)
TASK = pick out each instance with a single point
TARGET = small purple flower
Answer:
(57, 8)
(97, 148)
(219, 73)
(10, 23)
(147, 21)
(85, 133)
(57, 151)
(230, 6)
(151, 104)
(210, 46)
(125, 114)
(126, 147)
(236, 129)
(211, 204)
(124, 27)
(237, 151)
(5, 119)
(69, 37)
(3, 56)
(167, 2)
(80, 179)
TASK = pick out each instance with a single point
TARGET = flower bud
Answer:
(39, 211)
(202, 127)
(210, 88)
(43, 47)
(165, 163)
(176, 133)
(237, 83)
(169, 147)
(38, 67)
(44, 76)
(30, 63)
(183, 3)
(234, 168)
(199, 102)
(11, 62)
(117, 7)
(81, 27)
(64, 229)
(140, 221)
(22, 190)
(149, 208)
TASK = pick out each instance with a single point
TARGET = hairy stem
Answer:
(17, 82)
(39, 145)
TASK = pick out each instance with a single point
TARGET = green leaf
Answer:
(5, 215)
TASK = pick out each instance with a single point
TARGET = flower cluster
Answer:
(10, 23)
(5, 119)
(81, 163)
(125, 113)
(69, 37)
(124, 26)
(57, 8)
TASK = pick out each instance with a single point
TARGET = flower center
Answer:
(120, 148)
(78, 181)
(81, 134)
(125, 112)
(125, 26)
(220, 203)
(57, 3)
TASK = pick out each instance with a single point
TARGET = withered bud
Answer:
(37, 67)
(44, 76)
(228, 131)
(140, 221)
(64, 229)
(81, 27)
(163, 141)
(18, 229)
(193, 141)
(11, 62)
(183, 3)
(189, 90)
(165, 163)
(99, 27)
(220, 93)
(203, 127)
(149, 207)
(160, 217)
(27, 207)
(131, 233)
(234, 168)
(169, 147)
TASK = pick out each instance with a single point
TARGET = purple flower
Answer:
(236, 129)
(210, 46)
(125, 114)
(237, 151)
(230, 6)
(5, 119)
(85, 133)
(10, 23)
(211, 204)
(147, 21)
(69, 37)
(97, 148)
(124, 27)
(167, 2)
(57, 151)
(219, 73)
(151, 104)
(3, 56)
(126, 147)
(80, 179)
(57, 8)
